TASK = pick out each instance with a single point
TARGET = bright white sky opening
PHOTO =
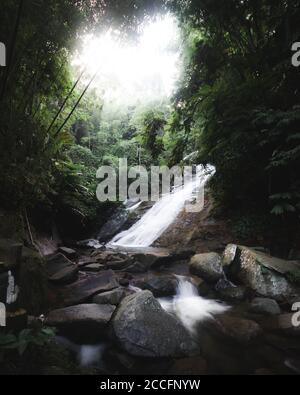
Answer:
(133, 72)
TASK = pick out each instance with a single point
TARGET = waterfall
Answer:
(156, 221)
(189, 307)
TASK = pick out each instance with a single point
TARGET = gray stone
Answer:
(265, 306)
(143, 328)
(84, 319)
(266, 275)
(113, 297)
(207, 266)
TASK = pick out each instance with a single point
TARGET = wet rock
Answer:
(237, 329)
(68, 252)
(10, 254)
(143, 328)
(111, 297)
(207, 266)
(113, 225)
(93, 267)
(264, 306)
(84, 319)
(229, 291)
(266, 275)
(159, 285)
(61, 270)
(88, 286)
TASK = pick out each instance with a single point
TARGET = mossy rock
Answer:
(33, 282)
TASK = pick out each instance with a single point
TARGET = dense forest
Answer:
(235, 106)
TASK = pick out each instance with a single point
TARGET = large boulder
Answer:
(266, 275)
(144, 329)
(83, 320)
(208, 266)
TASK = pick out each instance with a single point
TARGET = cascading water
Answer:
(189, 307)
(153, 224)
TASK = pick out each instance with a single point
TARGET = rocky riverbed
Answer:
(193, 304)
(113, 301)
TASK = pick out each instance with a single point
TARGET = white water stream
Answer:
(156, 221)
(189, 307)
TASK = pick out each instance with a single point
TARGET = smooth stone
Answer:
(142, 328)
(207, 266)
(81, 320)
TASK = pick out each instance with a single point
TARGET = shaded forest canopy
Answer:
(237, 104)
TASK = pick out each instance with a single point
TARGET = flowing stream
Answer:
(189, 307)
(156, 221)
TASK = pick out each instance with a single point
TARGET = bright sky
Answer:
(145, 70)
